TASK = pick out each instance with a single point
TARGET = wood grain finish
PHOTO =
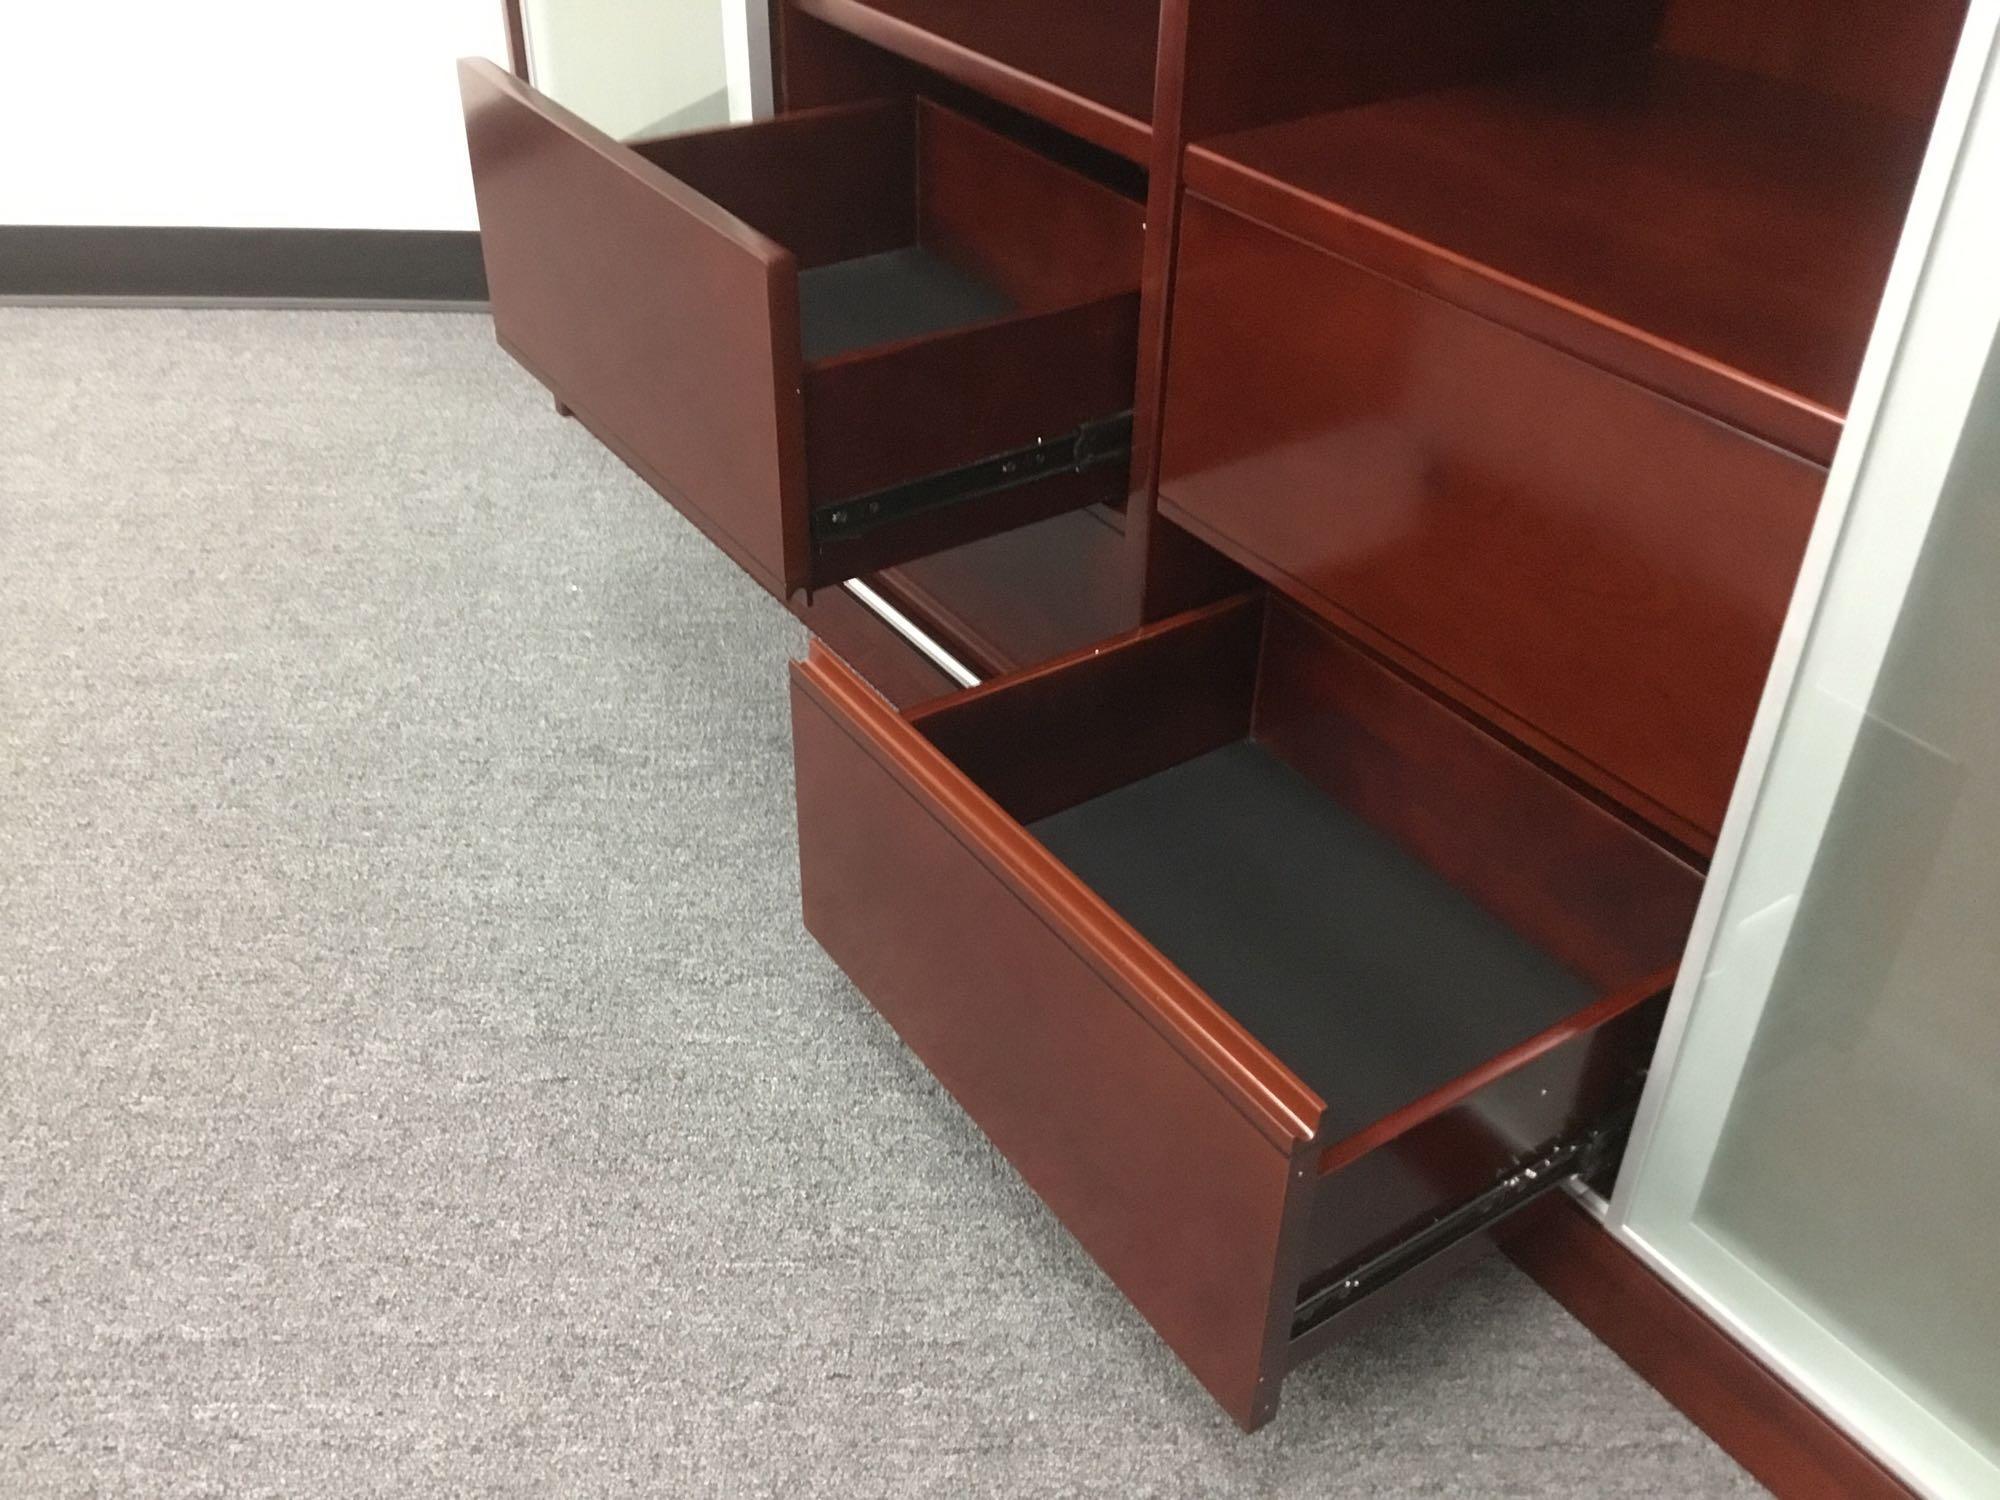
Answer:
(1386, 1182)
(1053, 1026)
(896, 412)
(1475, 436)
(855, 634)
(1045, 237)
(1256, 1084)
(1087, 68)
(1133, 706)
(1219, 72)
(1023, 596)
(1891, 54)
(674, 334)
(695, 374)
(1339, 53)
(1587, 888)
(1721, 1387)
(814, 64)
(517, 38)
(1598, 570)
(919, 868)
(1710, 233)
(827, 184)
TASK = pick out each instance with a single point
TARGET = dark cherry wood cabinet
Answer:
(1366, 453)
(1247, 952)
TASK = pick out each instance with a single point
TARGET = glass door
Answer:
(639, 68)
(1818, 1158)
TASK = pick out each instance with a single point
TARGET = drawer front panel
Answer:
(667, 326)
(1177, 1194)
(1600, 569)
(968, 299)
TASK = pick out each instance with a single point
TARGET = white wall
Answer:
(239, 112)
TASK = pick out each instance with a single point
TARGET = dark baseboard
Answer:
(1724, 1389)
(283, 265)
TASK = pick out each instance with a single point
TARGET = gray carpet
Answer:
(416, 1079)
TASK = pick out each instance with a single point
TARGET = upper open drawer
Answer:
(1278, 979)
(835, 340)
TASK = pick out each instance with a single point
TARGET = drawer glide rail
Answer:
(1580, 1155)
(1095, 445)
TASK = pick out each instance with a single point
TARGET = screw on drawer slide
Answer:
(1094, 445)
(1574, 1156)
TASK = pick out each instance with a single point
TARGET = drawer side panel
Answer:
(1172, 1190)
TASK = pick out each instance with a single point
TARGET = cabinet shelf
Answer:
(1086, 68)
(1711, 233)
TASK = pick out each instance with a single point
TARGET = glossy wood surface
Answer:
(828, 184)
(694, 375)
(1053, 1026)
(1022, 596)
(1046, 739)
(1490, 466)
(898, 903)
(1253, 62)
(855, 634)
(1892, 54)
(1606, 903)
(1390, 1180)
(1708, 232)
(814, 64)
(1597, 569)
(1046, 236)
(1220, 72)
(1063, 248)
(1583, 885)
(901, 411)
(1753, 1415)
(675, 335)
(1214, 1043)
(1087, 68)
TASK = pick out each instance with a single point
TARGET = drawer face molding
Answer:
(771, 322)
(1598, 568)
(1170, 1187)
(1253, 958)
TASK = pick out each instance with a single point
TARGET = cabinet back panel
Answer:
(1254, 62)
(1893, 54)
(1047, 739)
(828, 185)
(1047, 237)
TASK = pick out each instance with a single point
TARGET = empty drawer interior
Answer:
(837, 340)
(907, 220)
(1383, 894)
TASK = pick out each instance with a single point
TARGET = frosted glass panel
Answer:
(1858, 1166)
(1817, 1157)
(632, 68)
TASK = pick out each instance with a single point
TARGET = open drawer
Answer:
(1277, 979)
(835, 340)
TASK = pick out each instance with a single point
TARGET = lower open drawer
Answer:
(835, 340)
(1277, 979)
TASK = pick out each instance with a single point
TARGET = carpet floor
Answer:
(415, 1078)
